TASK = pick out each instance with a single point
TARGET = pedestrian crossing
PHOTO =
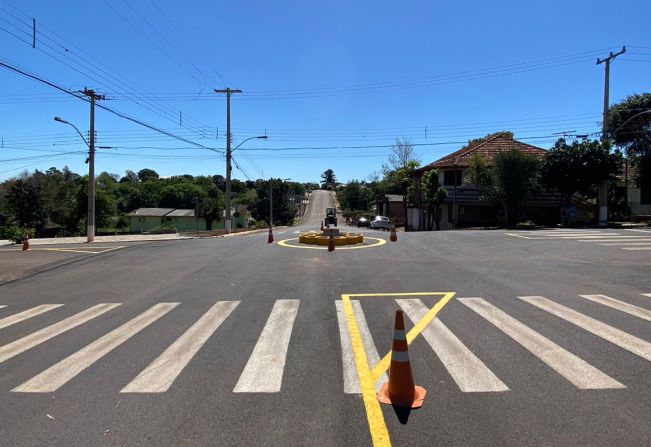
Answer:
(632, 240)
(266, 362)
(472, 375)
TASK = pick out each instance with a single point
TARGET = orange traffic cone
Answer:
(321, 225)
(331, 243)
(270, 239)
(393, 236)
(26, 241)
(400, 390)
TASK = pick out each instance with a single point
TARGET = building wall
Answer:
(144, 224)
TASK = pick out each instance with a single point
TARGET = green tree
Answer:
(27, 205)
(433, 195)
(283, 211)
(629, 122)
(147, 174)
(180, 195)
(329, 180)
(507, 182)
(579, 167)
(105, 207)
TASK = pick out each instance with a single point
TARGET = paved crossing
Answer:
(634, 239)
(263, 372)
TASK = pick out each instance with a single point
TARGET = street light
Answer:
(90, 219)
(227, 217)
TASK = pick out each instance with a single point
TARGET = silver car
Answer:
(381, 222)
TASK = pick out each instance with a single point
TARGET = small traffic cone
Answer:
(270, 239)
(393, 236)
(26, 241)
(400, 390)
(331, 243)
(321, 225)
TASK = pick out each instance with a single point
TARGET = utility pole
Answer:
(603, 189)
(90, 224)
(271, 180)
(228, 92)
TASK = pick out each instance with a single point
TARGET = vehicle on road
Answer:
(380, 222)
(331, 216)
(363, 222)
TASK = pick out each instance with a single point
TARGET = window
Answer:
(452, 178)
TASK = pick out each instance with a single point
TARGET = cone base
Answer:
(419, 395)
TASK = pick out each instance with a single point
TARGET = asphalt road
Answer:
(263, 362)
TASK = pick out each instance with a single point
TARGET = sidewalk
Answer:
(102, 239)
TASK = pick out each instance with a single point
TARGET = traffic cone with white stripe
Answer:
(331, 243)
(321, 225)
(400, 391)
(270, 239)
(393, 236)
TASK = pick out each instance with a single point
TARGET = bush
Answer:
(14, 233)
(163, 229)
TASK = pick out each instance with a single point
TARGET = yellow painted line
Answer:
(376, 424)
(285, 243)
(383, 366)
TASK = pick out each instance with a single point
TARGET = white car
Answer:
(380, 222)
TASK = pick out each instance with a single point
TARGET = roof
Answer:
(151, 212)
(487, 148)
(180, 213)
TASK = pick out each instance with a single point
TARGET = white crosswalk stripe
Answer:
(624, 241)
(2, 305)
(59, 374)
(618, 337)
(27, 314)
(351, 379)
(469, 373)
(647, 294)
(29, 341)
(577, 371)
(647, 248)
(162, 372)
(263, 372)
(631, 309)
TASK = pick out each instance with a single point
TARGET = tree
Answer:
(26, 204)
(105, 207)
(398, 173)
(433, 195)
(180, 195)
(329, 179)
(130, 177)
(401, 156)
(630, 128)
(283, 211)
(507, 182)
(147, 174)
(579, 167)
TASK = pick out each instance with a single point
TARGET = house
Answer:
(144, 220)
(637, 200)
(464, 206)
(391, 206)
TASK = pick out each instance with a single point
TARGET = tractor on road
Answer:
(331, 216)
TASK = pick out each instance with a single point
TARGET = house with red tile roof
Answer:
(464, 205)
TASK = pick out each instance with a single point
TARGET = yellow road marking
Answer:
(383, 366)
(367, 377)
(70, 250)
(376, 424)
(285, 243)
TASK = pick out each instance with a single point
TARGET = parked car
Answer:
(363, 222)
(381, 222)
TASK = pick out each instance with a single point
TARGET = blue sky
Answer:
(331, 83)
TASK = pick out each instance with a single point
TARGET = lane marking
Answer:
(2, 305)
(635, 242)
(27, 314)
(574, 369)
(641, 231)
(647, 294)
(637, 248)
(285, 243)
(351, 380)
(617, 337)
(163, 371)
(469, 373)
(376, 424)
(383, 366)
(263, 372)
(517, 235)
(60, 373)
(29, 341)
(630, 309)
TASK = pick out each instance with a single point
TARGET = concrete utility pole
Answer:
(603, 189)
(90, 224)
(228, 92)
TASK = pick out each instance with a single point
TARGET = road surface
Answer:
(233, 341)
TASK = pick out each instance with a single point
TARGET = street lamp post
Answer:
(229, 154)
(90, 218)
